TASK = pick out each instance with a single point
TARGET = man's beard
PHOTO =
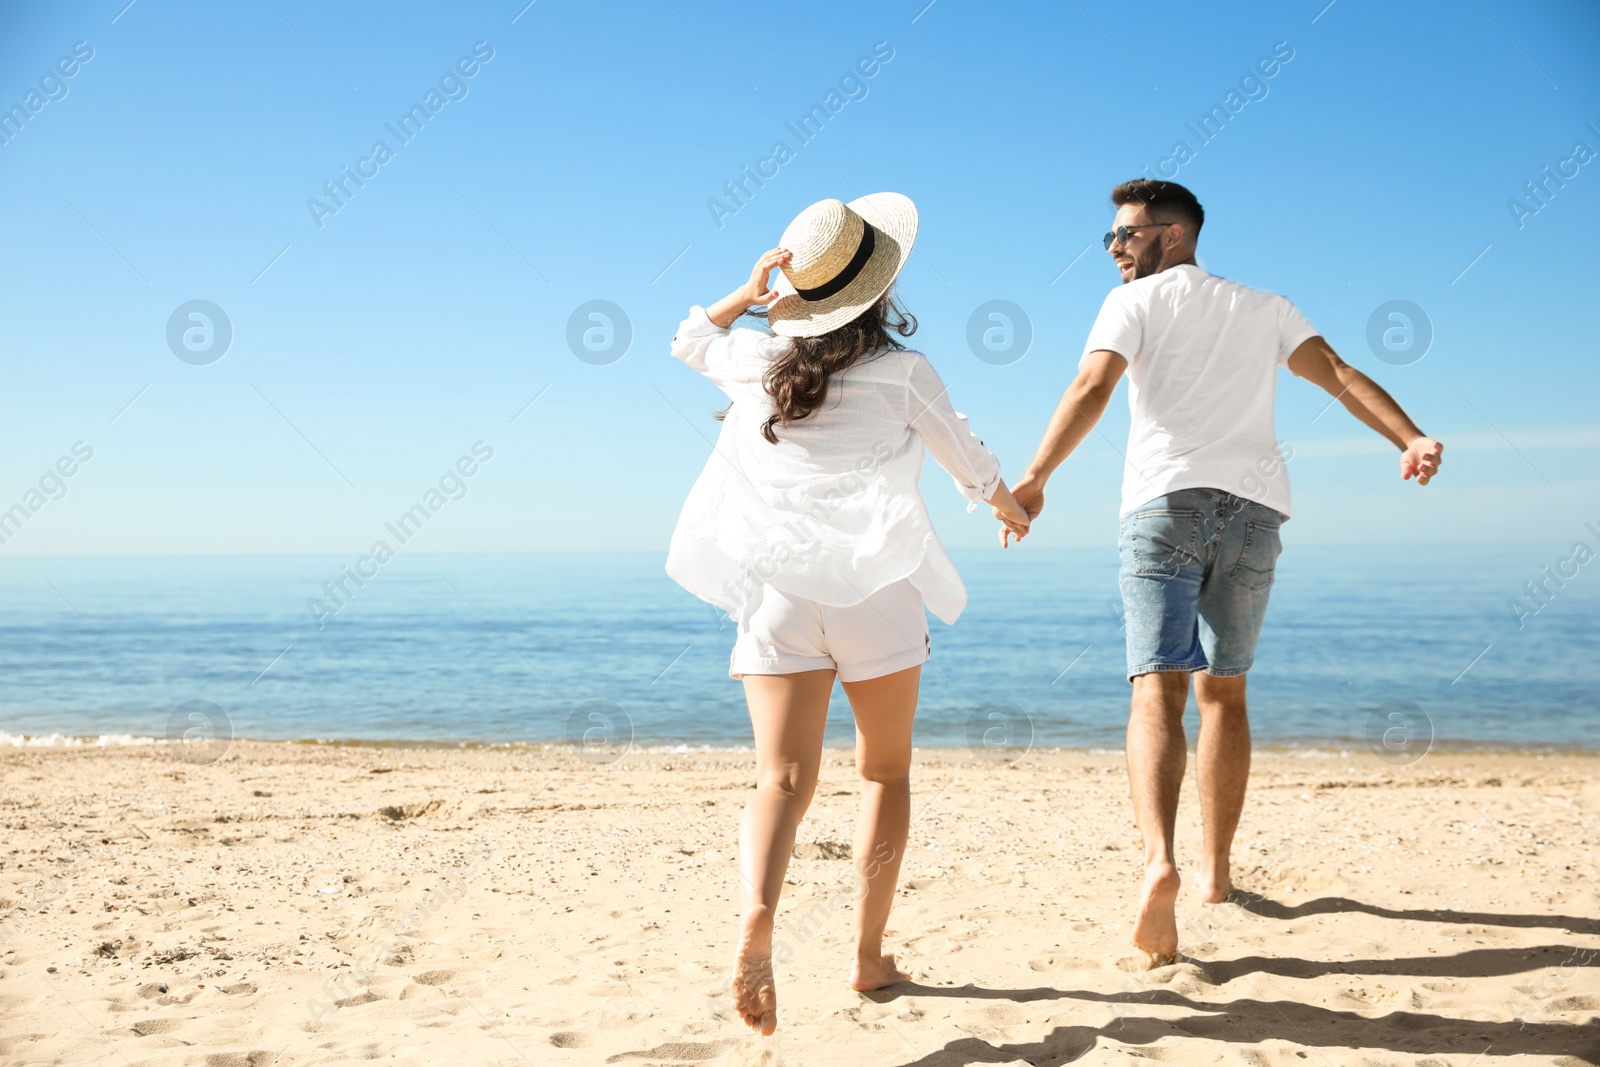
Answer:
(1147, 262)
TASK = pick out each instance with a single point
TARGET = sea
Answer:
(1396, 650)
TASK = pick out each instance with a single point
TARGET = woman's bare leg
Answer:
(884, 709)
(788, 714)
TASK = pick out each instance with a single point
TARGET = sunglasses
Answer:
(1120, 235)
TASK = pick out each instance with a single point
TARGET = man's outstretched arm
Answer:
(1081, 407)
(1317, 362)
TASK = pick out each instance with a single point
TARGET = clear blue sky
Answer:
(371, 352)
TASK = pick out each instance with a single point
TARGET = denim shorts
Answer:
(1197, 567)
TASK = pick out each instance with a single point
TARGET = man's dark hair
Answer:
(1165, 202)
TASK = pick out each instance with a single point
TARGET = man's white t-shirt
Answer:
(1203, 356)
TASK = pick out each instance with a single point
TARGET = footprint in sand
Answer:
(1063, 963)
(434, 977)
(149, 1027)
(680, 1051)
(821, 850)
(754, 1053)
(255, 1058)
(401, 812)
(571, 1039)
(1577, 1003)
(1140, 965)
(1183, 977)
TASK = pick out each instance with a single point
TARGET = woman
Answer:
(808, 528)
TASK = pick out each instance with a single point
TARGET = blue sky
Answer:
(576, 164)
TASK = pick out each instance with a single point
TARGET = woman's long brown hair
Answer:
(798, 380)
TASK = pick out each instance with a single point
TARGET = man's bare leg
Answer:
(1223, 771)
(1157, 754)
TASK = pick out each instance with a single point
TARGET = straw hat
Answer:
(844, 257)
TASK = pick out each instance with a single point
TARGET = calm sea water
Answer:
(521, 647)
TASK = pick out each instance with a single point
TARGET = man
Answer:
(1204, 492)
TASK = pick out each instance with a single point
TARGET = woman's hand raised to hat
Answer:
(758, 290)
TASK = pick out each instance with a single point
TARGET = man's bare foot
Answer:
(1215, 886)
(1155, 932)
(877, 973)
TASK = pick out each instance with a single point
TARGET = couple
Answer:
(807, 527)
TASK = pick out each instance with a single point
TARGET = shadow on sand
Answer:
(1271, 909)
(1247, 1021)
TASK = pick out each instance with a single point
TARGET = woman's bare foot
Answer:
(870, 973)
(1155, 932)
(755, 993)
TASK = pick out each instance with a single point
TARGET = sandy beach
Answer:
(297, 904)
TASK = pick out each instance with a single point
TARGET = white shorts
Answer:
(887, 632)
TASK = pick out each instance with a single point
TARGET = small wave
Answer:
(73, 741)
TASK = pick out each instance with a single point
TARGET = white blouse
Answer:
(832, 512)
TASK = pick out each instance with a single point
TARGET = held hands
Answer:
(1027, 497)
(1421, 459)
(1011, 514)
(1029, 492)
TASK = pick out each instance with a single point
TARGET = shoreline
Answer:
(1332, 747)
